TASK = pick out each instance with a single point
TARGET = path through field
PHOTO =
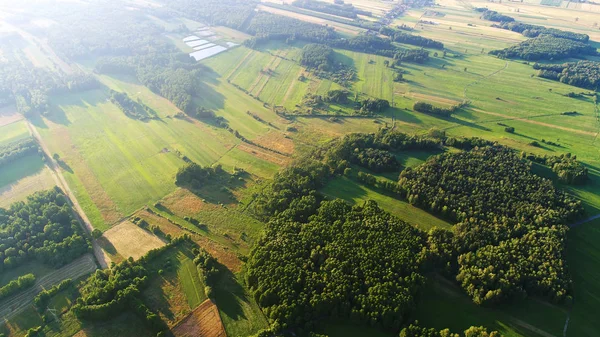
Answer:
(62, 183)
(19, 302)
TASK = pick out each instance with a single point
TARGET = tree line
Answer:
(17, 285)
(584, 74)
(399, 36)
(345, 10)
(267, 27)
(566, 167)
(532, 31)
(11, 152)
(494, 16)
(108, 293)
(547, 47)
(434, 110)
(42, 228)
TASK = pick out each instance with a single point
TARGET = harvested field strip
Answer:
(128, 240)
(16, 304)
(204, 321)
(264, 154)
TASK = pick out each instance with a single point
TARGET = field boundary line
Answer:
(250, 52)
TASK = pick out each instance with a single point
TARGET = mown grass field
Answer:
(21, 168)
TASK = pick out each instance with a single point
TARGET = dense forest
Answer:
(414, 330)
(266, 27)
(345, 10)
(547, 47)
(43, 228)
(499, 206)
(163, 69)
(416, 40)
(11, 152)
(230, 13)
(343, 262)
(532, 31)
(584, 74)
(28, 87)
(500, 209)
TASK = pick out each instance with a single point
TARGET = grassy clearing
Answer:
(444, 305)
(13, 132)
(21, 168)
(355, 193)
(175, 288)
(20, 190)
(241, 316)
(584, 264)
(36, 268)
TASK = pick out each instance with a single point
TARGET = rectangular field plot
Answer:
(25, 186)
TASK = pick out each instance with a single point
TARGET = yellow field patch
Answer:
(202, 322)
(128, 240)
(25, 187)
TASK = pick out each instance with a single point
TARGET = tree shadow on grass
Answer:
(155, 296)
(229, 295)
(108, 247)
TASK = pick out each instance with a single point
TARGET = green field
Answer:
(350, 190)
(21, 168)
(13, 132)
(241, 316)
(444, 305)
(108, 156)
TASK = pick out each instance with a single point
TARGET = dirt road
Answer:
(103, 260)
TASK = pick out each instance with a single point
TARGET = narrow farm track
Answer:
(62, 183)
(482, 79)
(21, 301)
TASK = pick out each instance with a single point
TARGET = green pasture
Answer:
(239, 312)
(583, 257)
(133, 162)
(20, 168)
(444, 305)
(13, 132)
(350, 190)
